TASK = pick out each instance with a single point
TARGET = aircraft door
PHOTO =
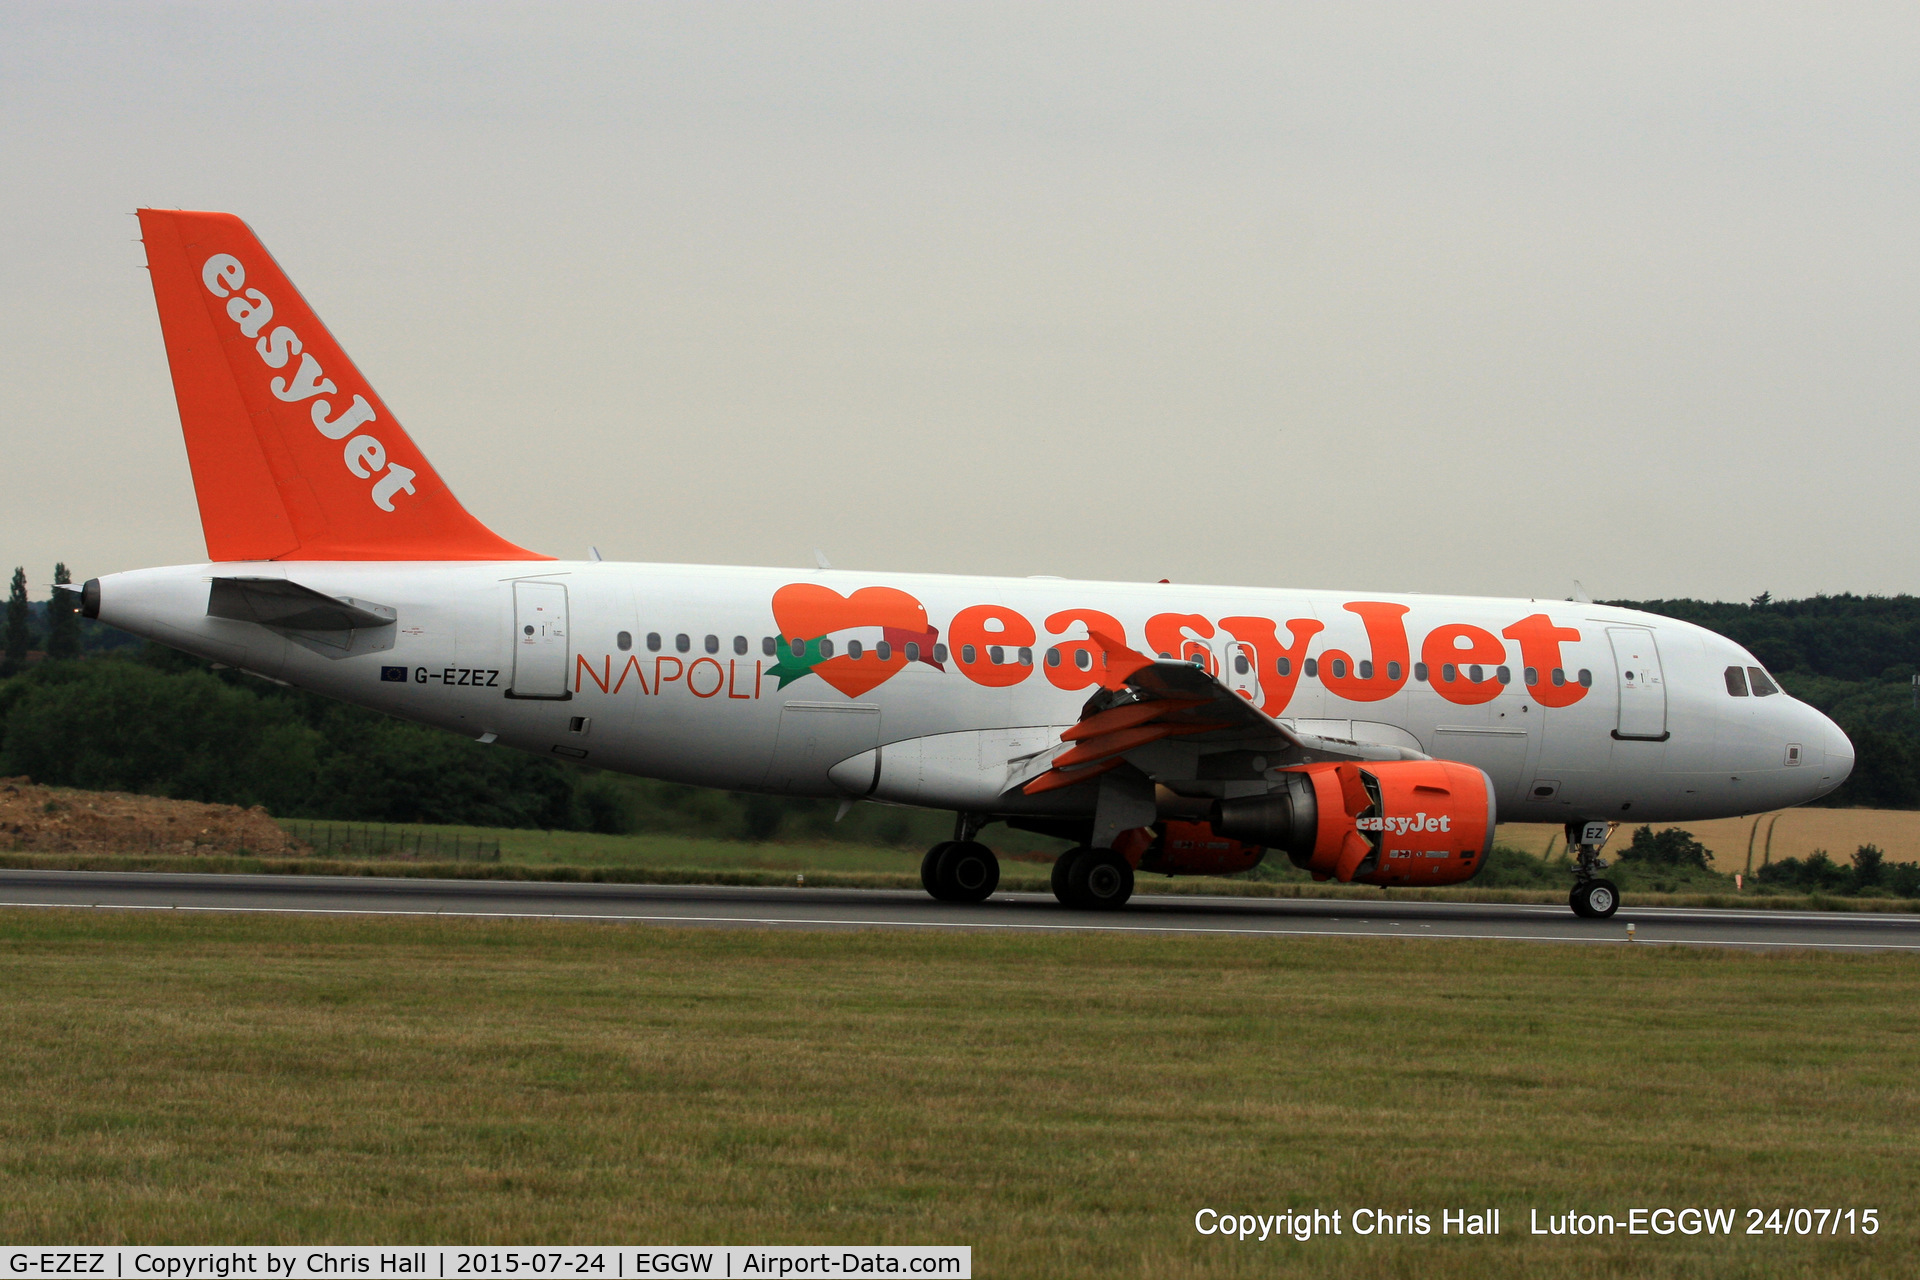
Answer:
(1643, 689)
(540, 645)
(1241, 671)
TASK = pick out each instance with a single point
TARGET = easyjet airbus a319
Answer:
(1162, 728)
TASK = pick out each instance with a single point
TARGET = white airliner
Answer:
(1164, 728)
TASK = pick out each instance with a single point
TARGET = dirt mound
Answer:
(59, 820)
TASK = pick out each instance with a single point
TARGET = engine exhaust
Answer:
(1287, 818)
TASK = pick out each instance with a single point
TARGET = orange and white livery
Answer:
(1173, 729)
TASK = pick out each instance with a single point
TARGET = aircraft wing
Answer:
(1143, 701)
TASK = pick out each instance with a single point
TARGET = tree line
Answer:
(57, 621)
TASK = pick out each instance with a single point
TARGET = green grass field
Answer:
(1063, 1104)
(587, 849)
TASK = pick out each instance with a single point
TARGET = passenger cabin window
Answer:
(996, 655)
(713, 644)
(1240, 666)
(1763, 685)
(883, 651)
(1283, 665)
(1026, 656)
(826, 648)
(1531, 675)
(939, 653)
(854, 650)
(967, 654)
(1447, 671)
(1053, 657)
(1311, 668)
(682, 642)
(1083, 660)
(913, 652)
(653, 641)
(739, 644)
(1366, 668)
(1586, 678)
(624, 640)
(1393, 671)
(1339, 669)
(1420, 672)
(1737, 682)
(768, 647)
(1503, 674)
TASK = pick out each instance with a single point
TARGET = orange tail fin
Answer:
(294, 455)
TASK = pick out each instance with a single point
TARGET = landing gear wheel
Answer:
(930, 869)
(1101, 880)
(1063, 874)
(1594, 899)
(967, 872)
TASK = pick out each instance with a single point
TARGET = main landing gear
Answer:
(1592, 897)
(1094, 879)
(960, 871)
(964, 870)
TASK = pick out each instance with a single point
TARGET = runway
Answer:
(714, 906)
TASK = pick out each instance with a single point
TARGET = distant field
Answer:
(1064, 1104)
(1795, 834)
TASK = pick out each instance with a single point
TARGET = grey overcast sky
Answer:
(1462, 297)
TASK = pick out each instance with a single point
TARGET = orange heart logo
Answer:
(806, 613)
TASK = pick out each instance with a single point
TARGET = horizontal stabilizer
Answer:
(275, 602)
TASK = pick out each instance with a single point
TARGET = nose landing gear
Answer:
(1592, 898)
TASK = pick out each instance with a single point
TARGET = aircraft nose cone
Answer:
(1839, 752)
(1836, 756)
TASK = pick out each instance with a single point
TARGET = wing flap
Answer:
(1145, 700)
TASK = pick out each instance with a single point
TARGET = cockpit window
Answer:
(1762, 683)
(1737, 682)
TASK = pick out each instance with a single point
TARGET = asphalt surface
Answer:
(729, 907)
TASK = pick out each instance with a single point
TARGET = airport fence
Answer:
(373, 840)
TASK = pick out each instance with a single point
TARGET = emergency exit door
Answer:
(540, 647)
(1242, 671)
(1643, 689)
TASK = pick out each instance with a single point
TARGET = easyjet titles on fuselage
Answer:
(995, 646)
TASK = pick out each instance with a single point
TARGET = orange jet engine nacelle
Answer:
(1176, 848)
(1387, 822)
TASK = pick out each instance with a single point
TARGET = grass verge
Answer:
(1019, 876)
(1064, 1104)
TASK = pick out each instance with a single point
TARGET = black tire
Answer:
(968, 872)
(1101, 880)
(1594, 899)
(1063, 874)
(930, 870)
